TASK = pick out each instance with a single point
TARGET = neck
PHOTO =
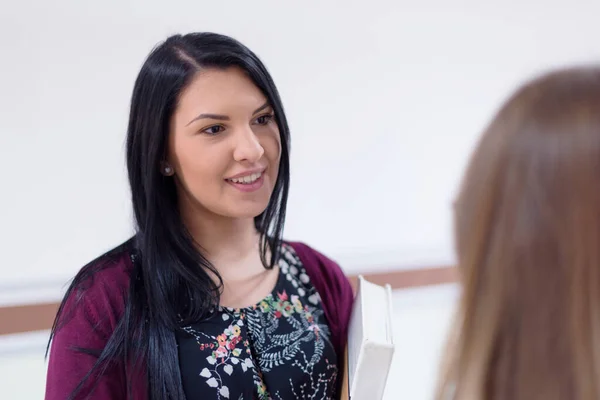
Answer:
(223, 240)
(231, 245)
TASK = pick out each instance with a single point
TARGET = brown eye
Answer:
(213, 130)
(264, 119)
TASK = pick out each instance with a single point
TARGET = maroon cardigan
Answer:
(97, 315)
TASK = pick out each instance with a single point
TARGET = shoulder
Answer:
(323, 270)
(334, 289)
(314, 259)
(88, 315)
(99, 289)
(310, 254)
(107, 275)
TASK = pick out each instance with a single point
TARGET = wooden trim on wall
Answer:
(411, 278)
(27, 318)
(37, 317)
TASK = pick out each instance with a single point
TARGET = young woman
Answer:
(206, 301)
(528, 243)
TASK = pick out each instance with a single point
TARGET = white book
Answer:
(370, 341)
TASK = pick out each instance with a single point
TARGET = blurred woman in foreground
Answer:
(527, 223)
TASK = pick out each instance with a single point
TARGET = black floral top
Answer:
(276, 349)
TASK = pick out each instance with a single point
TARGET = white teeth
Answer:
(247, 179)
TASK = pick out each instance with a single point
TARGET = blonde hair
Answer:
(527, 229)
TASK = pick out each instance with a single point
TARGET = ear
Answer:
(166, 169)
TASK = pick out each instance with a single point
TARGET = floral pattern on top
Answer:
(277, 349)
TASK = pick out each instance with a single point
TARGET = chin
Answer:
(245, 211)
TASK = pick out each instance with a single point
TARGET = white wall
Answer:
(385, 100)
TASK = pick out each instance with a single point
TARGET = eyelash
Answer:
(212, 127)
(269, 117)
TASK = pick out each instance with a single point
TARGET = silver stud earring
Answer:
(168, 170)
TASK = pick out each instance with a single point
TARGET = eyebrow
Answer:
(259, 109)
(225, 117)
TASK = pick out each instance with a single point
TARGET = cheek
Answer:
(272, 147)
(271, 143)
(196, 165)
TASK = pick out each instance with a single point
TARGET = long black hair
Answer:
(169, 283)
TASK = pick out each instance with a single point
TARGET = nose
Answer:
(247, 146)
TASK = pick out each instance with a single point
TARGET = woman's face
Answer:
(224, 146)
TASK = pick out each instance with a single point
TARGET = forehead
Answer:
(224, 91)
